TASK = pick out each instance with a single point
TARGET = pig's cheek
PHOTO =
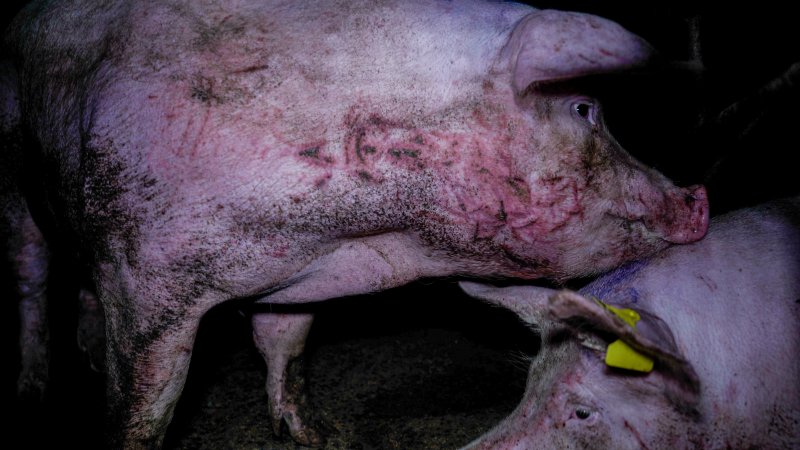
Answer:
(549, 214)
(555, 201)
(529, 211)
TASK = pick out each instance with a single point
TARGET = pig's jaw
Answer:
(587, 240)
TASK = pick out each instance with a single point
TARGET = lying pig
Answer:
(288, 152)
(719, 321)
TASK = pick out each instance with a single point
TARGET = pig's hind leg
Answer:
(149, 348)
(23, 246)
(280, 337)
(28, 260)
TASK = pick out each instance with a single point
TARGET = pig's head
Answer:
(564, 199)
(573, 399)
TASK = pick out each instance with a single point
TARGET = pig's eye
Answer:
(582, 413)
(586, 110)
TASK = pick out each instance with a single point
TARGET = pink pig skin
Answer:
(197, 152)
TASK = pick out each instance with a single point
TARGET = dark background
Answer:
(423, 366)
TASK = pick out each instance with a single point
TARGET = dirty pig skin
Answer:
(203, 151)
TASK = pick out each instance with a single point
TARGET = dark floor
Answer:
(391, 371)
(388, 371)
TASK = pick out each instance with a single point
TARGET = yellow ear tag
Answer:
(621, 355)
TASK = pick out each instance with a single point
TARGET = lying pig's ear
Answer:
(651, 336)
(551, 45)
(528, 302)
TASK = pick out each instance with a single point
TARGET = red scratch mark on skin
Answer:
(200, 133)
(251, 69)
(636, 435)
(322, 181)
(710, 283)
(184, 135)
(191, 137)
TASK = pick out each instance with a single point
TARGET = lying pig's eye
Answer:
(584, 416)
(586, 110)
(582, 413)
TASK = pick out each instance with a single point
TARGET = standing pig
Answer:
(720, 320)
(288, 152)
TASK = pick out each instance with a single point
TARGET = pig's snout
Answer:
(691, 222)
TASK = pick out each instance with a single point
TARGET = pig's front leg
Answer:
(357, 266)
(281, 338)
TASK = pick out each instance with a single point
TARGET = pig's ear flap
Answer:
(651, 337)
(551, 45)
(528, 302)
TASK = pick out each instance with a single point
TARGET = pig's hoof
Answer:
(31, 387)
(310, 432)
(33, 377)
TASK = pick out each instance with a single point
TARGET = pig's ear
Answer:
(551, 45)
(651, 337)
(528, 302)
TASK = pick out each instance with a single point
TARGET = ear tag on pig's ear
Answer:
(620, 354)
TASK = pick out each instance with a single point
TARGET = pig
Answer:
(720, 321)
(290, 152)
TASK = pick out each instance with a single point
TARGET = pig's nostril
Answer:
(696, 193)
(691, 198)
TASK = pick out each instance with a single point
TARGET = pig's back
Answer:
(274, 52)
(221, 91)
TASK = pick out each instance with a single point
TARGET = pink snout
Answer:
(691, 223)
